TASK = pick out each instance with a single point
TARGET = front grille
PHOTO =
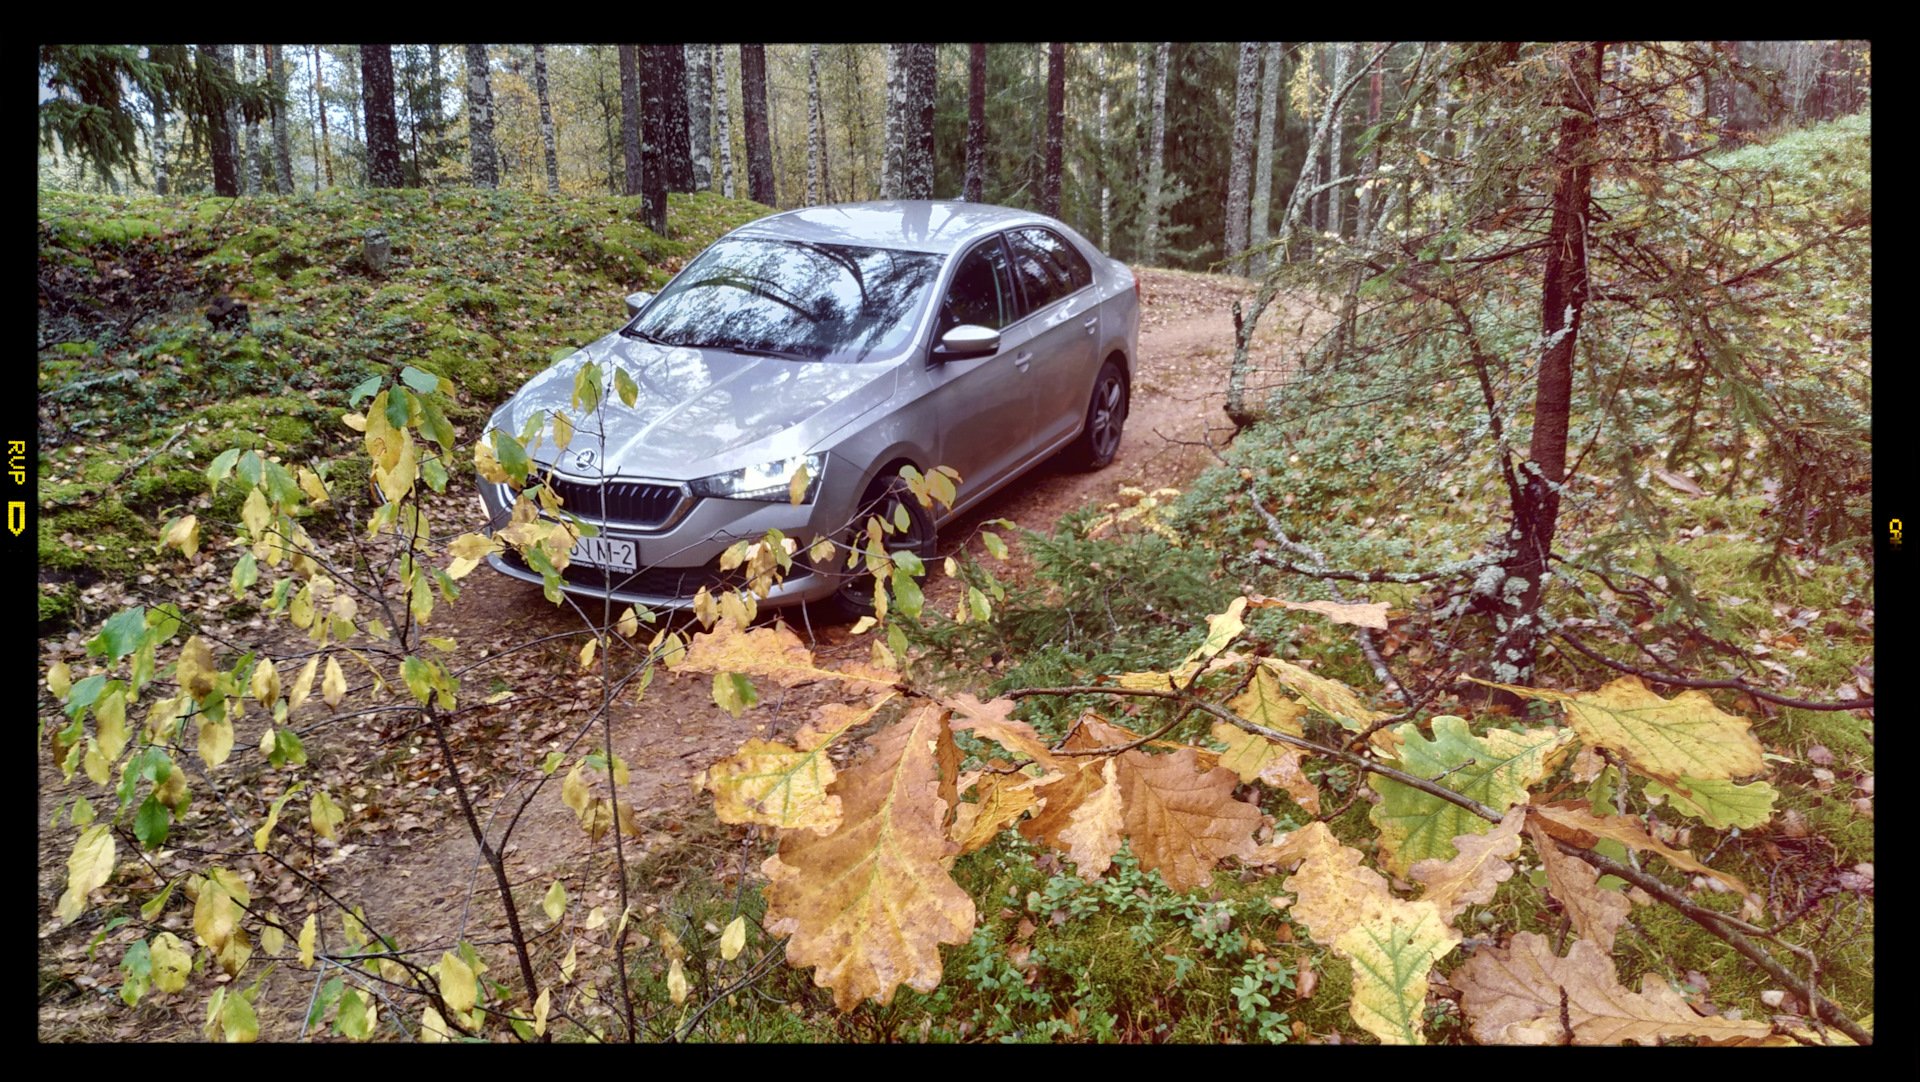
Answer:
(635, 503)
(681, 582)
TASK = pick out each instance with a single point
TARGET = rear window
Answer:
(835, 303)
(1048, 267)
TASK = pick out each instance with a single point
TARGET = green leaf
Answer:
(121, 635)
(1392, 954)
(367, 388)
(586, 388)
(246, 572)
(249, 469)
(221, 466)
(906, 593)
(353, 1022)
(734, 693)
(150, 823)
(424, 382)
(1720, 804)
(418, 676)
(287, 747)
(83, 695)
(511, 456)
(163, 622)
(398, 409)
(551, 762)
(624, 386)
(435, 424)
(328, 995)
(158, 902)
(282, 485)
(994, 545)
(1416, 826)
(555, 903)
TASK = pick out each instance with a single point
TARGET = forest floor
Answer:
(406, 854)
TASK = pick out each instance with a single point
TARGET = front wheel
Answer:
(884, 498)
(1099, 441)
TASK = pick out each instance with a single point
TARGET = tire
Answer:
(1099, 440)
(854, 598)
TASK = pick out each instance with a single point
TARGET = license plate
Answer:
(608, 552)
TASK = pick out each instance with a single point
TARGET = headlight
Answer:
(771, 481)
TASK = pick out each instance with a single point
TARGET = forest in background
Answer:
(1233, 123)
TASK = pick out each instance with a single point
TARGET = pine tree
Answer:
(383, 128)
(976, 121)
(1270, 121)
(630, 116)
(486, 170)
(753, 95)
(1056, 126)
(1246, 115)
(1156, 158)
(546, 118)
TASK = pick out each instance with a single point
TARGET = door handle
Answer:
(1022, 360)
(1092, 324)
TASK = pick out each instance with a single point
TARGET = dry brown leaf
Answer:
(1093, 835)
(1680, 482)
(1251, 756)
(1003, 798)
(1266, 703)
(828, 721)
(990, 720)
(1596, 914)
(1471, 877)
(1513, 996)
(1361, 614)
(1335, 892)
(1060, 798)
(870, 904)
(1181, 821)
(1330, 697)
(1572, 818)
(764, 651)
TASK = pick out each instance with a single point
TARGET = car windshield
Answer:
(814, 302)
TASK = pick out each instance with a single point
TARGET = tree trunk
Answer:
(282, 139)
(546, 118)
(383, 128)
(813, 125)
(826, 151)
(674, 136)
(159, 147)
(255, 152)
(753, 96)
(1335, 210)
(1106, 189)
(1516, 601)
(1262, 203)
(326, 141)
(658, 89)
(726, 120)
(1037, 152)
(1246, 122)
(922, 73)
(630, 116)
(699, 59)
(1056, 127)
(1142, 81)
(486, 168)
(890, 148)
(226, 178)
(975, 184)
(1156, 158)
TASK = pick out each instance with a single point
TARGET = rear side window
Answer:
(1047, 266)
(981, 293)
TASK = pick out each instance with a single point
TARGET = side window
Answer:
(981, 291)
(1047, 265)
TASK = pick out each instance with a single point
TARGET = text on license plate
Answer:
(608, 552)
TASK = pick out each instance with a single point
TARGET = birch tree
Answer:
(546, 118)
(976, 122)
(485, 162)
(725, 119)
(157, 144)
(700, 114)
(1104, 158)
(320, 106)
(1246, 116)
(250, 149)
(1156, 158)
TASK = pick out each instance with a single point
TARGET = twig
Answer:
(152, 454)
(1737, 685)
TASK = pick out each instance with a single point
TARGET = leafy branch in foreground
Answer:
(861, 877)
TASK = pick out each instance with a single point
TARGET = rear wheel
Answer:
(884, 498)
(1099, 441)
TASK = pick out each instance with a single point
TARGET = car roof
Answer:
(917, 225)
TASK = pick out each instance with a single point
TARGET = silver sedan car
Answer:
(847, 340)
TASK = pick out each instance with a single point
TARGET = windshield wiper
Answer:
(755, 351)
(630, 332)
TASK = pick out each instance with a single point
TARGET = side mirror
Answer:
(966, 340)
(637, 301)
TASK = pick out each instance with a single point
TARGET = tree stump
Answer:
(377, 248)
(227, 314)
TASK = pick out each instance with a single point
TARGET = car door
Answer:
(1063, 329)
(981, 406)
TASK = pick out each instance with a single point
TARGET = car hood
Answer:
(698, 411)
